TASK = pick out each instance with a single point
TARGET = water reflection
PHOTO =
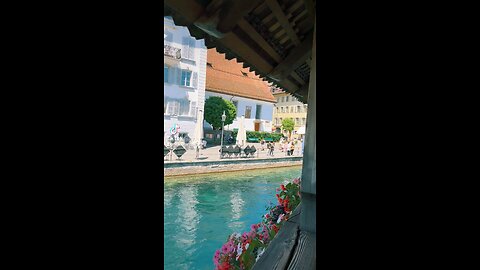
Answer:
(237, 204)
(187, 218)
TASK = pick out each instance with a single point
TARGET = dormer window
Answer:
(244, 74)
(209, 65)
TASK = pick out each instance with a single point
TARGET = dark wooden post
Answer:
(309, 170)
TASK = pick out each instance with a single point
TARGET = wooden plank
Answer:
(311, 10)
(297, 78)
(280, 250)
(288, 14)
(240, 48)
(304, 256)
(297, 57)
(233, 11)
(277, 11)
(190, 10)
(247, 28)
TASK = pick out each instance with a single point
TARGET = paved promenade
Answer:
(213, 154)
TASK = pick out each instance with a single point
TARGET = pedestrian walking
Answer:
(197, 150)
(272, 148)
(262, 144)
(268, 148)
(292, 148)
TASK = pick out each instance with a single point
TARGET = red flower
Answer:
(283, 187)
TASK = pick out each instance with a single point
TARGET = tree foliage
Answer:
(288, 124)
(214, 107)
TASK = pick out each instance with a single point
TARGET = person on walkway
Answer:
(197, 150)
(272, 147)
(268, 148)
(262, 144)
(292, 148)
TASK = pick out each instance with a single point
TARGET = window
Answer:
(244, 74)
(177, 107)
(248, 112)
(299, 109)
(165, 74)
(278, 109)
(186, 78)
(286, 99)
(282, 109)
(283, 99)
(304, 121)
(209, 65)
(297, 121)
(173, 107)
(291, 109)
(258, 112)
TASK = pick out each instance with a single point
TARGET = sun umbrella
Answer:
(301, 131)
(242, 133)
(198, 135)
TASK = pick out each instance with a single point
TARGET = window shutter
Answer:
(194, 79)
(171, 76)
(193, 108)
(179, 76)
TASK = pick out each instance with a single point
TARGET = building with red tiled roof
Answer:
(250, 94)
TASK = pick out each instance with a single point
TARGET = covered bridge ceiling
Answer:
(271, 37)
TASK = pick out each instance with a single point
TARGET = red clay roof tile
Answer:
(229, 77)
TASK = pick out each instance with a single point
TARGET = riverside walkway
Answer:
(213, 154)
(209, 161)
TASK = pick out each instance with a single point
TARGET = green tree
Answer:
(288, 124)
(214, 107)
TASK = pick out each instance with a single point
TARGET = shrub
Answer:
(261, 135)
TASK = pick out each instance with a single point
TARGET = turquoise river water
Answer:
(200, 212)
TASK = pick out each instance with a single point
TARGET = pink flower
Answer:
(280, 218)
(296, 181)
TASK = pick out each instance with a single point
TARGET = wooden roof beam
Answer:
(297, 57)
(277, 10)
(247, 28)
(222, 16)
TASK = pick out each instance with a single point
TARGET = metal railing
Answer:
(172, 52)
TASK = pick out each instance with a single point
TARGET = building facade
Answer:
(288, 106)
(184, 79)
(248, 92)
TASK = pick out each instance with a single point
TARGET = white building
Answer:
(184, 79)
(250, 94)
